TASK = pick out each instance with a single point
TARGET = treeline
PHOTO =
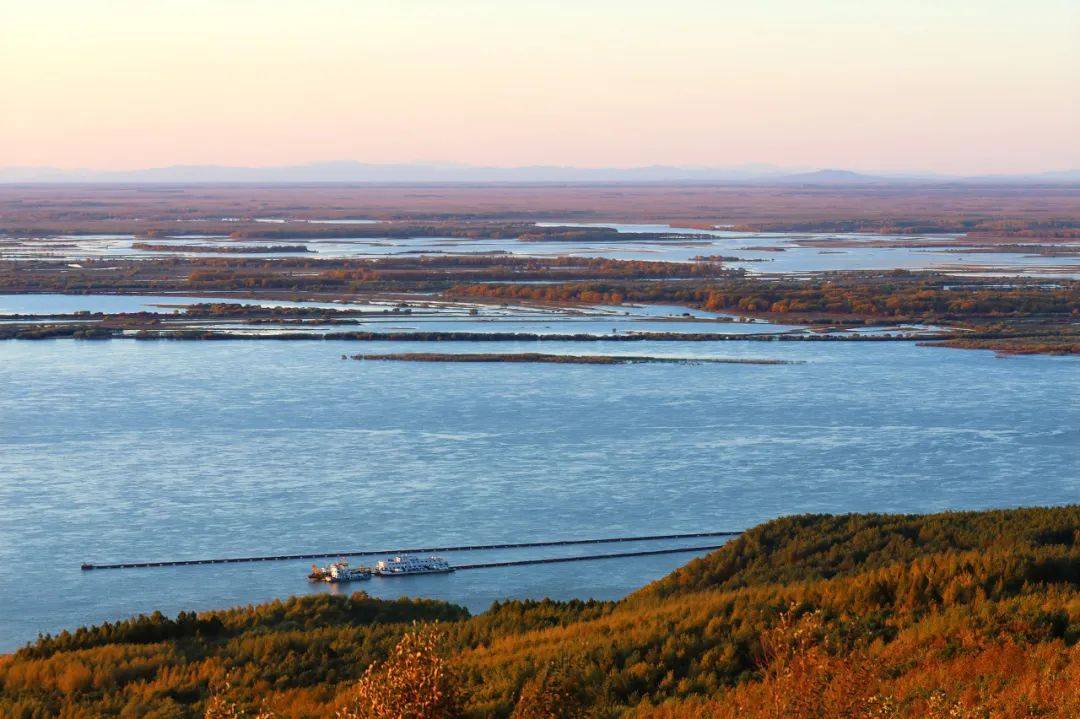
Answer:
(392, 230)
(427, 271)
(898, 294)
(222, 249)
(1043, 344)
(338, 276)
(294, 613)
(153, 331)
(1062, 228)
(1047, 341)
(855, 617)
(525, 231)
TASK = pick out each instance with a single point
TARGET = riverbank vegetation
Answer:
(220, 249)
(824, 297)
(1006, 344)
(899, 295)
(335, 276)
(972, 614)
(1013, 317)
(1016, 317)
(157, 330)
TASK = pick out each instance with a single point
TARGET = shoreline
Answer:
(538, 358)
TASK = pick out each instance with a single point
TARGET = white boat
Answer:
(338, 573)
(407, 564)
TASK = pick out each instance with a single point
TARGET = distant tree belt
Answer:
(1005, 345)
(895, 294)
(1056, 228)
(231, 249)
(1026, 249)
(864, 616)
(708, 285)
(220, 309)
(1049, 341)
(154, 332)
(526, 231)
(303, 274)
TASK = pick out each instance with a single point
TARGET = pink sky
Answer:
(950, 86)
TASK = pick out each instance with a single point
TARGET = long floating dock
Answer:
(587, 557)
(421, 550)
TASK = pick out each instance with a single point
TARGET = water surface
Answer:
(168, 450)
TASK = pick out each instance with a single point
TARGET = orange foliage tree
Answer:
(413, 683)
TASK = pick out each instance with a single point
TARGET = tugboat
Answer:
(405, 564)
(338, 573)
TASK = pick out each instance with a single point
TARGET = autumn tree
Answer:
(554, 693)
(413, 683)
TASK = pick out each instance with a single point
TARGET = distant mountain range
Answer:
(344, 172)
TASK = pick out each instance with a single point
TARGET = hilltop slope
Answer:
(976, 613)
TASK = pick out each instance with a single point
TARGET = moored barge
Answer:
(338, 573)
(405, 564)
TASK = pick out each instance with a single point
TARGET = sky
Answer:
(951, 86)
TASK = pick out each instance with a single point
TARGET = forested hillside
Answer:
(949, 615)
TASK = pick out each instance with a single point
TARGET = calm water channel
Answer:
(125, 450)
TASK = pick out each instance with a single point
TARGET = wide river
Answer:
(125, 450)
